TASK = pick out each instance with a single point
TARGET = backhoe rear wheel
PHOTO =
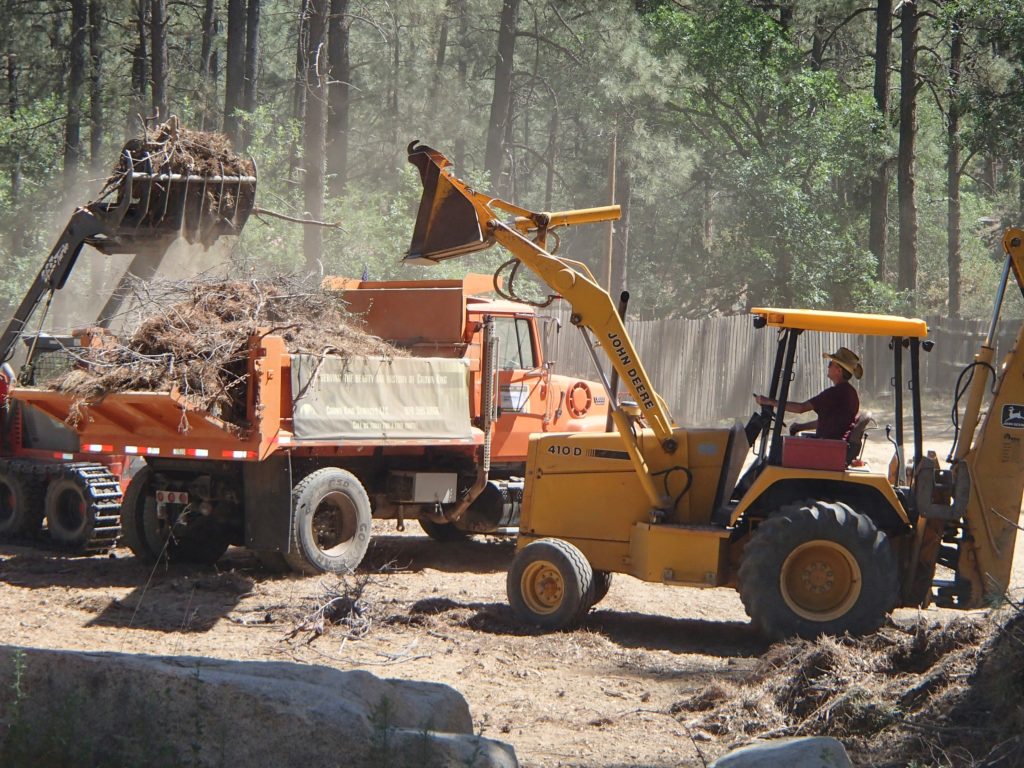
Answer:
(818, 568)
(331, 521)
(550, 584)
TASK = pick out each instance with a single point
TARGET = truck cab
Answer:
(445, 318)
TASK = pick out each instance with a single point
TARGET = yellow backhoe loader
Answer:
(813, 545)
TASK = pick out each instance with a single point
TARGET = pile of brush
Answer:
(193, 337)
(927, 693)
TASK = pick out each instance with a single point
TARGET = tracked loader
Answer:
(813, 545)
(150, 200)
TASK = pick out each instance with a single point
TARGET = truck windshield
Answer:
(515, 349)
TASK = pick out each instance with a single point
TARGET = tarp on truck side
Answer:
(361, 398)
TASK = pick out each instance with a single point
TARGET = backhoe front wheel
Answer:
(818, 568)
(331, 520)
(550, 584)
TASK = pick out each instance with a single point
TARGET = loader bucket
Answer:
(154, 205)
(448, 223)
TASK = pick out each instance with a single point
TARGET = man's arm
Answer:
(803, 407)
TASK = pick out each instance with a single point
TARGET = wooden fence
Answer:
(706, 370)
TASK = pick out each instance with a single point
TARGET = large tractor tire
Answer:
(331, 520)
(151, 537)
(82, 508)
(550, 584)
(20, 503)
(602, 583)
(818, 568)
(444, 532)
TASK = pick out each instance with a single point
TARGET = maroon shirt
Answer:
(837, 410)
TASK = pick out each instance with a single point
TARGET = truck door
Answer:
(522, 387)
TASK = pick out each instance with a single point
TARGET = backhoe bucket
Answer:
(447, 224)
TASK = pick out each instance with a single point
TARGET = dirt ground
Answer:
(599, 696)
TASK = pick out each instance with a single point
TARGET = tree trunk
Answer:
(299, 90)
(395, 77)
(462, 13)
(252, 62)
(96, 127)
(158, 29)
(439, 61)
(338, 96)
(878, 234)
(313, 134)
(140, 64)
(17, 227)
(907, 280)
(818, 42)
(502, 98)
(206, 63)
(953, 168)
(76, 87)
(623, 196)
(234, 84)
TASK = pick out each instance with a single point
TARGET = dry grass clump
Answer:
(194, 337)
(937, 694)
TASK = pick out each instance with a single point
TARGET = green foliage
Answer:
(747, 164)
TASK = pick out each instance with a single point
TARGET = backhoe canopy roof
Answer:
(843, 322)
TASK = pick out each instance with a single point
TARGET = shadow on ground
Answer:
(405, 553)
(721, 639)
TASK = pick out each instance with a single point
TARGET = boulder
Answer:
(80, 708)
(809, 752)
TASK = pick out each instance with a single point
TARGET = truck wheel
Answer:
(442, 531)
(69, 514)
(330, 522)
(149, 536)
(550, 584)
(19, 505)
(818, 568)
(132, 511)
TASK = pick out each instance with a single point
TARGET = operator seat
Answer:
(857, 436)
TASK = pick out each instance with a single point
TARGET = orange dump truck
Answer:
(330, 442)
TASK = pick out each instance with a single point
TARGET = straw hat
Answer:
(846, 360)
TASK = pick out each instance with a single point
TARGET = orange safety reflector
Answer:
(140, 449)
(238, 454)
(98, 448)
(64, 456)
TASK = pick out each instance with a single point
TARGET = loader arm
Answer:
(149, 209)
(455, 220)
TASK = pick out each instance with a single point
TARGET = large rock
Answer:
(119, 709)
(810, 752)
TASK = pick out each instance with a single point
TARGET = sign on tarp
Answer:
(363, 398)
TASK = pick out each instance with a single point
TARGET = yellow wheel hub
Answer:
(543, 587)
(820, 580)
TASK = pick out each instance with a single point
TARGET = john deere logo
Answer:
(1013, 416)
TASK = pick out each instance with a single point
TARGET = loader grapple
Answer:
(152, 203)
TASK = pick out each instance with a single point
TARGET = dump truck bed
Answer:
(301, 403)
